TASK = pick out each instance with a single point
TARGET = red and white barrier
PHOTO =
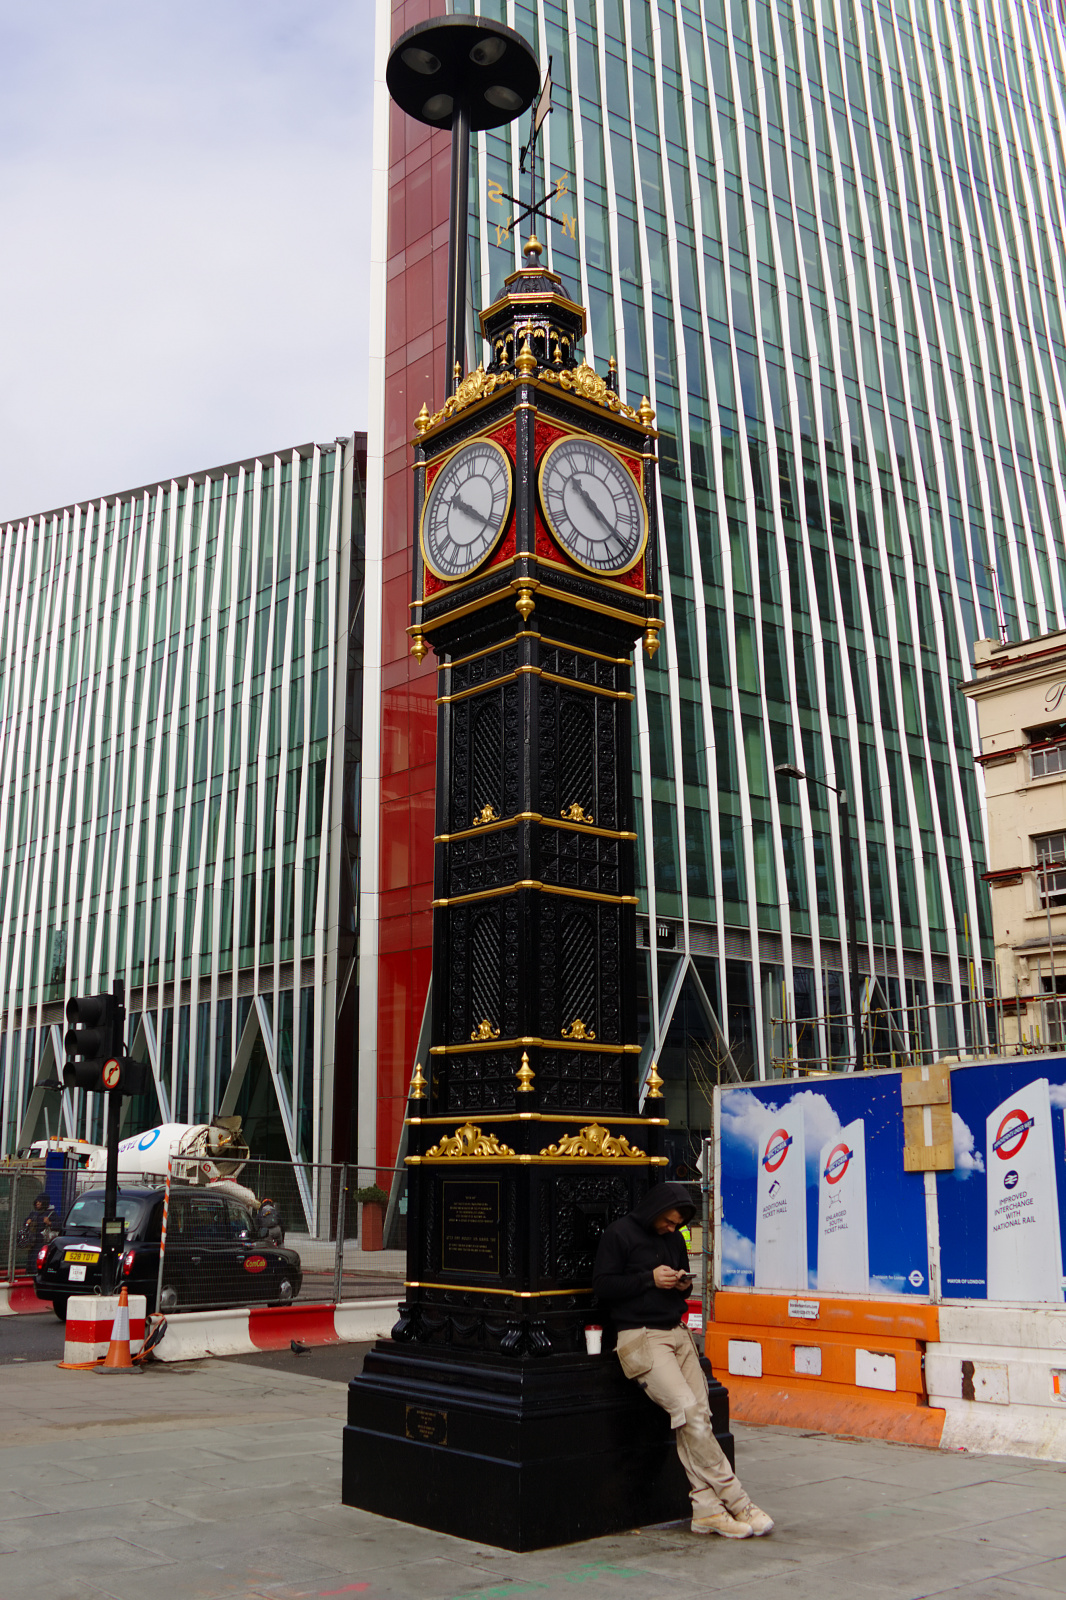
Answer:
(20, 1297)
(192, 1335)
(90, 1318)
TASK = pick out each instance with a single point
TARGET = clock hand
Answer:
(457, 500)
(583, 494)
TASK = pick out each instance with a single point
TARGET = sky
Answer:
(185, 217)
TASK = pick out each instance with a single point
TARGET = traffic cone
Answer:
(118, 1358)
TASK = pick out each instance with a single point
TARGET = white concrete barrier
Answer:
(999, 1373)
(194, 1335)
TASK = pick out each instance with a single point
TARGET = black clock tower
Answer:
(534, 576)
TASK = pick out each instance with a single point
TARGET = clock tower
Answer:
(534, 577)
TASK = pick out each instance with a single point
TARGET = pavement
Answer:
(220, 1480)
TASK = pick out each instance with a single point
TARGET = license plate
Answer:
(82, 1255)
(76, 1272)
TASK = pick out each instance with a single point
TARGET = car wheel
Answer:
(59, 1306)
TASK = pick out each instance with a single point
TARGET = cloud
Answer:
(738, 1253)
(1057, 1091)
(968, 1158)
(190, 189)
(747, 1121)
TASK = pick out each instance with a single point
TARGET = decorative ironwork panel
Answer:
(480, 1081)
(483, 861)
(584, 1206)
(483, 669)
(585, 1080)
(579, 861)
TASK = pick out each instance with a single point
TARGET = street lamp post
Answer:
(785, 769)
(466, 74)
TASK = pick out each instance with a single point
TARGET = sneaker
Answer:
(722, 1523)
(757, 1520)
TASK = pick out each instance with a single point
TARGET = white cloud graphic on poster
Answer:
(738, 1252)
(748, 1121)
(1057, 1091)
(968, 1159)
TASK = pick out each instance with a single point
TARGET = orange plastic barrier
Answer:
(832, 1401)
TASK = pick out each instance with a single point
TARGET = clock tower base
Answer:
(521, 1455)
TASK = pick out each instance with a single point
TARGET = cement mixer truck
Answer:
(200, 1152)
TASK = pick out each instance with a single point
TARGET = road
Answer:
(38, 1337)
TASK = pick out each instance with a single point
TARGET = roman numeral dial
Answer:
(593, 506)
(466, 509)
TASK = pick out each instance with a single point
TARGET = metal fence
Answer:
(273, 1233)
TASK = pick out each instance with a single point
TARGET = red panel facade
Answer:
(416, 290)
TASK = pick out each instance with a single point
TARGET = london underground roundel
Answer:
(776, 1149)
(1012, 1134)
(839, 1160)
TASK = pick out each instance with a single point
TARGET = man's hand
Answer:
(670, 1278)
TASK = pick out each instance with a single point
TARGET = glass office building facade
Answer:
(180, 742)
(827, 239)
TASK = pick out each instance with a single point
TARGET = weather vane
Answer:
(542, 106)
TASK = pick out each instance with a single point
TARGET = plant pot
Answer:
(372, 1226)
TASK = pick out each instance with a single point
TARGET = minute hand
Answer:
(583, 494)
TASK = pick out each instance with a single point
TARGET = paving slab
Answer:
(221, 1481)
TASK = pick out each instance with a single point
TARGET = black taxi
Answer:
(216, 1254)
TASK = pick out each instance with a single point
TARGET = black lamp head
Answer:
(448, 62)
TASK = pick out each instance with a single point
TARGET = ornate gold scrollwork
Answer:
(655, 1084)
(586, 382)
(576, 813)
(577, 1030)
(477, 385)
(525, 1075)
(486, 814)
(466, 1142)
(484, 1030)
(596, 1142)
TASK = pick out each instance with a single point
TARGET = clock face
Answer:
(466, 509)
(593, 506)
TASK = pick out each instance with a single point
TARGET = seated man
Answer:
(641, 1275)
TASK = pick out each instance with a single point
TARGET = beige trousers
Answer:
(665, 1364)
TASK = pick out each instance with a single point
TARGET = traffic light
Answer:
(93, 1039)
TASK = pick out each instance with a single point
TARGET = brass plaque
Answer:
(471, 1226)
(426, 1425)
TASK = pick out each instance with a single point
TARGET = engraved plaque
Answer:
(471, 1226)
(426, 1425)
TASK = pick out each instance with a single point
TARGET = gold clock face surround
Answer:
(466, 509)
(592, 504)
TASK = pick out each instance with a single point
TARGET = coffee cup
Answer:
(594, 1340)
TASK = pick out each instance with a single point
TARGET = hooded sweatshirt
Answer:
(629, 1252)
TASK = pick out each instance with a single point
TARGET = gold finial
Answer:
(645, 414)
(651, 638)
(655, 1084)
(422, 421)
(533, 249)
(526, 364)
(457, 372)
(525, 1075)
(612, 364)
(483, 1031)
(525, 604)
(419, 648)
(418, 1083)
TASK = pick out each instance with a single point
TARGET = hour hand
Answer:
(583, 494)
(471, 511)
